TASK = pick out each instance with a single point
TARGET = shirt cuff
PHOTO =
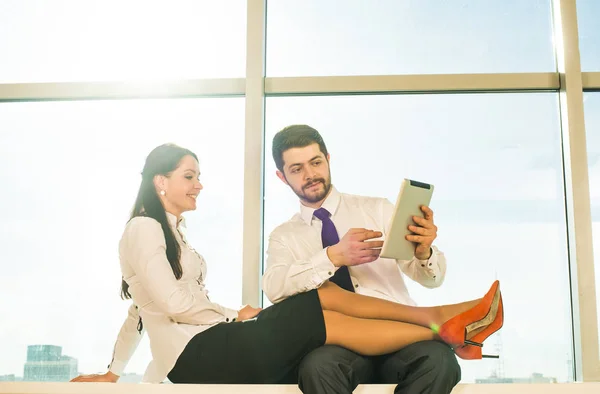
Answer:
(431, 266)
(117, 367)
(231, 315)
(323, 268)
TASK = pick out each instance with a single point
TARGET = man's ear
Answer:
(282, 177)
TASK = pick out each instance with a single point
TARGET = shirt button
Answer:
(422, 265)
(430, 264)
(356, 286)
(227, 319)
(329, 273)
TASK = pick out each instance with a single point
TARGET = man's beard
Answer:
(317, 197)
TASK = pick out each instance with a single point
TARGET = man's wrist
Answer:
(428, 255)
(334, 256)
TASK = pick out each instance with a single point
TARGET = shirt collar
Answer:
(174, 222)
(331, 204)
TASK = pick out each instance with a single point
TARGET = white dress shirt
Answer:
(172, 311)
(297, 262)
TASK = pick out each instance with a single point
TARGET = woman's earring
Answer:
(162, 193)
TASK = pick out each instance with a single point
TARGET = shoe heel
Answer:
(467, 342)
(472, 353)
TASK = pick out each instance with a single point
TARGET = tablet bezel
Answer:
(413, 194)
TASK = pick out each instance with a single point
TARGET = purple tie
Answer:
(329, 237)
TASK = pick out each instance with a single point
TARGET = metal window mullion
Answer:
(253, 159)
(591, 80)
(380, 84)
(579, 222)
(122, 90)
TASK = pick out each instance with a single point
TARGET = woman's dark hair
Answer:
(163, 160)
(295, 136)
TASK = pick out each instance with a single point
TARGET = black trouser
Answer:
(423, 367)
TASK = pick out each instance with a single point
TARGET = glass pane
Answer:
(592, 126)
(76, 40)
(498, 202)
(73, 169)
(355, 37)
(588, 15)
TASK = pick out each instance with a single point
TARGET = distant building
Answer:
(10, 378)
(534, 378)
(45, 363)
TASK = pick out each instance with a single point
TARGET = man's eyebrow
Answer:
(299, 164)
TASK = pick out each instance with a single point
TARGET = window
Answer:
(320, 37)
(588, 14)
(592, 125)
(70, 172)
(75, 40)
(495, 162)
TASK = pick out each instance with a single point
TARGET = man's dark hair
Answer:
(295, 136)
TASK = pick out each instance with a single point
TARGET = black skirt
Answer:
(259, 351)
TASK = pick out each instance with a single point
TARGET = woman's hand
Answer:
(108, 377)
(248, 312)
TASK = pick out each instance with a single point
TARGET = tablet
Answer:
(412, 195)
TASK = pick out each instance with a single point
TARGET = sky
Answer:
(70, 169)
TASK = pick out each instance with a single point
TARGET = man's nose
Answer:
(310, 173)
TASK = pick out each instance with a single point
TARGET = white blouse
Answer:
(172, 311)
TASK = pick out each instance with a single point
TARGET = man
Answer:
(331, 238)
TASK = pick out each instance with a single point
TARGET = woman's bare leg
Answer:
(335, 299)
(372, 337)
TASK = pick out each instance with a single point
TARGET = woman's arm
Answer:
(127, 342)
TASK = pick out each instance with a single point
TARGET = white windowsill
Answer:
(132, 388)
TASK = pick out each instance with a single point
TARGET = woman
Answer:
(194, 340)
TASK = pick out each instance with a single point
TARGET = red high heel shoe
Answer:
(456, 330)
(468, 352)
